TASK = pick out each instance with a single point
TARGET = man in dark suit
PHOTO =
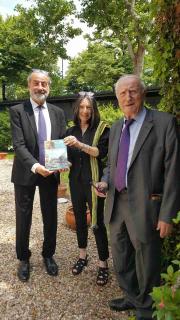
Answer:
(143, 194)
(32, 122)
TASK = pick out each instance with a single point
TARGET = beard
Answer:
(39, 96)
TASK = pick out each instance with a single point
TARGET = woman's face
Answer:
(85, 111)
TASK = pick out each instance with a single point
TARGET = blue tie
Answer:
(42, 135)
(121, 168)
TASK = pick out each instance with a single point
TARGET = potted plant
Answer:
(70, 218)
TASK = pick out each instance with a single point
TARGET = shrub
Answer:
(169, 247)
(5, 132)
(167, 297)
(109, 113)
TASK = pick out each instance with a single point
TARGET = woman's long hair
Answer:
(95, 116)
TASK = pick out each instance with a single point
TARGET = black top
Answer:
(80, 160)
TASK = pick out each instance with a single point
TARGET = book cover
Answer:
(55, 155)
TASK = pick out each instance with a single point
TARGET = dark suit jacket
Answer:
(25, 139)
(154, 169)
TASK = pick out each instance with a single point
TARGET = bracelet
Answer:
(85, 147)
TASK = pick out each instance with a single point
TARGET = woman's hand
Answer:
(72, 142)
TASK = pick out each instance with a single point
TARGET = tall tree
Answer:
(127, 20)
(96, 68)
(35, 38)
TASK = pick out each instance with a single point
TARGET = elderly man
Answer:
(143, 183)
(33, 122)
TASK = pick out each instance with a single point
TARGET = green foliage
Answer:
(167, 297)
(97, 68)
(127, 21)
(5, 134)
(169, 247)
(167, 53)
(35, 38)
(65, 177)
(109, 113)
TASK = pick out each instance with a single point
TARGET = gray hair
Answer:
(46, 73)
(129, 76)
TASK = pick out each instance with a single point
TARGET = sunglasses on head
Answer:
(86, 93)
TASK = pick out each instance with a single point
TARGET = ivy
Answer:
(167, 53)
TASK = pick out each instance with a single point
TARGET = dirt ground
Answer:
(43, 297)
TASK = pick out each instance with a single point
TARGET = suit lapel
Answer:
(115, 142)
(143, 134)
(30, 115)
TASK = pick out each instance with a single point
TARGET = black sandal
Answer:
(79, 266)
(102, 277)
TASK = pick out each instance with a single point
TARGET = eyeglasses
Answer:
(86, 93)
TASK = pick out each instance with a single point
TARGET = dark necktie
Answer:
(121, 168)
(42, 135)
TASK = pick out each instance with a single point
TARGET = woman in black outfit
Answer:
(87, 142)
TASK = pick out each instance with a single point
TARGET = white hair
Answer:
(41, 72)
(129, 76)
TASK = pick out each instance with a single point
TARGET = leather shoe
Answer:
(51, 266)
(23, 270)
(120, 304)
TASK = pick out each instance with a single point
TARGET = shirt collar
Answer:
(140, 116)
(35, 105)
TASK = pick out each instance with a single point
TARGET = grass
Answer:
(10, 155)
(64, 177)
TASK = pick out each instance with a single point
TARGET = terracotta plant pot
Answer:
(62, 190)
(3, 155)
(70, 218)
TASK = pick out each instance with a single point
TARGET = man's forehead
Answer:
(129, 85)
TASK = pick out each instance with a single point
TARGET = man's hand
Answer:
(100, 189)
(164, 228)
(43, 171)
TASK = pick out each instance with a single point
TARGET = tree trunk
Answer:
(138, 61)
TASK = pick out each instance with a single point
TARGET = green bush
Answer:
(109, 113)
(167, 297)
(169, 247)
(5, 132)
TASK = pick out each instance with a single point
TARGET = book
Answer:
(55, 155)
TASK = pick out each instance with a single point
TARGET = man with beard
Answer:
(32, 122)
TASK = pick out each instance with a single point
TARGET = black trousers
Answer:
(81, 196)
(24, 197)
(137, 265)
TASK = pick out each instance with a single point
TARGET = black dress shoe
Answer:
(120, 304)
(51, 266)
(23, 270)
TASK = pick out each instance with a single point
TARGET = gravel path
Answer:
(43, 297)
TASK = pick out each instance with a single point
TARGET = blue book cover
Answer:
(55, 155)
